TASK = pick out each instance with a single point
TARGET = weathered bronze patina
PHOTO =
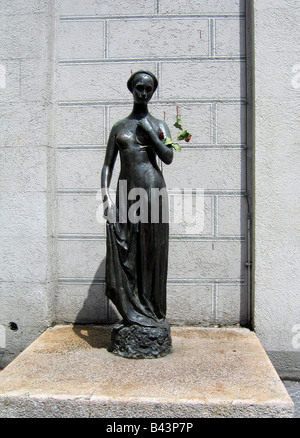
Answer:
(137, 241)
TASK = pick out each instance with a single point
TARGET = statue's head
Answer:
(142, 85)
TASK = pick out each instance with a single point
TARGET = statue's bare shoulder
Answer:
(161, 125)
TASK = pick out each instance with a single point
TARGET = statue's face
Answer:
(143, 88)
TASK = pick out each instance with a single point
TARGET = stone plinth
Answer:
(211, 372)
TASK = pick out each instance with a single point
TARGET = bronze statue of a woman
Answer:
(137, 244)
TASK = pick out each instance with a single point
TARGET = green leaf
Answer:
(168, 141)
(177, 147)
(178, 123)
(184, 135)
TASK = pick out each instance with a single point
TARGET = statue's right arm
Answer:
(107, 170)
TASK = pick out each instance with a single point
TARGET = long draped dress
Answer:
(137, 251)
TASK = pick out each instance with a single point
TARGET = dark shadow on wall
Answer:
(246, 166)
(96, 311)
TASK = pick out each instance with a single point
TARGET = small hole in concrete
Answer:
(13, 326)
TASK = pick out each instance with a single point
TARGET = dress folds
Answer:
(136, 271)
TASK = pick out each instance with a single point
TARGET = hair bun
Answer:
(131, 79)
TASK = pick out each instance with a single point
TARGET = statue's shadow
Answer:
(93, 321)
(96, 337)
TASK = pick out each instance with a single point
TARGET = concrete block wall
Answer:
(276, 239)
(27, 192)
(197, 51)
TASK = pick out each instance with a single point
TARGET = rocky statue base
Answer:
(137, 342)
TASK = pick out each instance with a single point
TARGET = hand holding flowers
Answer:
(184, 135)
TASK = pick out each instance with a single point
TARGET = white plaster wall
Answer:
(276, 181)
(26, 235)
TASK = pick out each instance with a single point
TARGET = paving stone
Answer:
(293, 388)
